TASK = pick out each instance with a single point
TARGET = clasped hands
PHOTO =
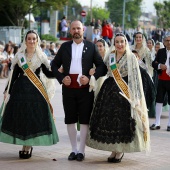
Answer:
(83, 80)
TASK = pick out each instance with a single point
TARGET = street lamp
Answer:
(39, 1)
(30, 10)
(91, 10)
(124, 8)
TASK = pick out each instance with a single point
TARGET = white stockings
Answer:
(72, 133)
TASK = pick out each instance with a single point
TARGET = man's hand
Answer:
(84, 80)
(67, 80)
(163, 67)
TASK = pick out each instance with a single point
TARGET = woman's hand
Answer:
(61, 70)
(6, 97)
(92, 71)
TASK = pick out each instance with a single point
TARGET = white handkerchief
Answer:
(78, 79)
(93, 84)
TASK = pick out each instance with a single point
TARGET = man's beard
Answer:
(76, 36)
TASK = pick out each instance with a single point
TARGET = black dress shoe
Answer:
(110, 159)
(118, 160)
(154, 127)
(80, 157)
(168, 128)
(72, 156)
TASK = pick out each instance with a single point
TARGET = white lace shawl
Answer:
(38, 59)
(136, 95)
(145, 54)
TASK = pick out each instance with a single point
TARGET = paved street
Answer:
(42, 159)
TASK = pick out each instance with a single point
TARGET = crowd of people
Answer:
(7, 53)
(97, 79)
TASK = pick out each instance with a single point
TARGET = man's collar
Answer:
(79, 43)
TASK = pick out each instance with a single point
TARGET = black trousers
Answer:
(78, 104)
(162, 90)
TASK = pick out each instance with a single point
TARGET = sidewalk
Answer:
(42, 159)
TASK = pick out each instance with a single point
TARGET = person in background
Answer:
(151, 46)
(47, 50)
(103, 49)
(57, 46)
(52, 49)
(158, 45)
(3, 64)
(8, 52)
(148, 85)
(105, 31)
(143, 51)
(92, 23)
(16, 48)
(95, 35)
(162, 65)
(64, 26)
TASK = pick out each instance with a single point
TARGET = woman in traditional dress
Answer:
(143, 51)
(146, 56)
(119, 121)
(27, 117)
(158, 45)
(151, 46)
(147, 82)
(103, 49)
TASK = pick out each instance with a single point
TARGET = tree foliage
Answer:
(13, 11)
(132, 12)
(98, 13)
(163, 14)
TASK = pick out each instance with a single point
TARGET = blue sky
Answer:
(147, 4)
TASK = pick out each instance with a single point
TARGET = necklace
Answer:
(29, 58)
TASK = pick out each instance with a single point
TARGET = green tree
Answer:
(98, 13)
(163, 15)
(14, 11)
(132, 12)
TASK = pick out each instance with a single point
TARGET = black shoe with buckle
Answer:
(72, 156)
(154, 127)
(80, 157)
(168, 128)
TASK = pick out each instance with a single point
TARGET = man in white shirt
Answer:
(162, 65)
(77, 58)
